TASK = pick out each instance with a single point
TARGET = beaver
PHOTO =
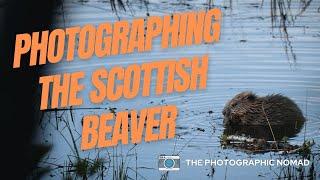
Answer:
(247, 108)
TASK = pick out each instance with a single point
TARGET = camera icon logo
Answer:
(169, 163)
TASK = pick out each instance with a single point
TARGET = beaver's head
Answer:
(237, 108)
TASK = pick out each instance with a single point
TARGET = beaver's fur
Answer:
(247, 108)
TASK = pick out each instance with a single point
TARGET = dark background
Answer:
(19, 107)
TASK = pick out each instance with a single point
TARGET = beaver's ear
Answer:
(250, 96)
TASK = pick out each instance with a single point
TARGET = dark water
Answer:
(253, 54)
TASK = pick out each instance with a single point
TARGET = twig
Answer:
(305, 125)
(269, 125)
